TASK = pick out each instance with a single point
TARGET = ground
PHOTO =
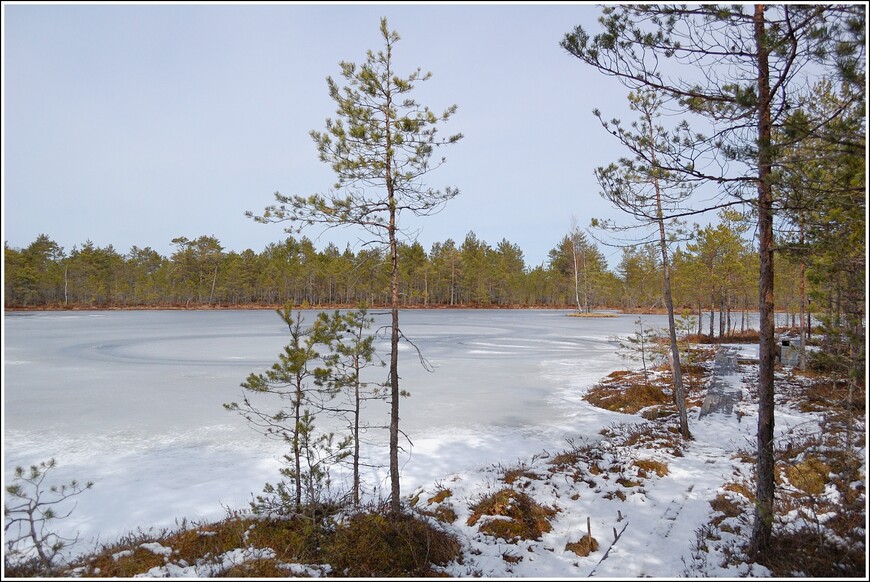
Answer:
(632, 500)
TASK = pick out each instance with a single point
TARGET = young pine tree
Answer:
(380, 149)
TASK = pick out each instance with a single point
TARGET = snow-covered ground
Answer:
(656, 527)
(133, 401)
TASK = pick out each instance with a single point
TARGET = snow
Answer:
(137, 409)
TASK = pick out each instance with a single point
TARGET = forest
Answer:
(716, 270)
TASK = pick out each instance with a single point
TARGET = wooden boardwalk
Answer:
(722, 393)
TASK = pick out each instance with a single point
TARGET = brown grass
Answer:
(647, 466)
(526, 519)
(815, 557)
(741, 489)
(748, 336)
(513, 475)
(565, 459)
(727, 507)
(584, 547)
(440, 496)
(443, 513)
(389, 546)
(367, 544)
(629, 395)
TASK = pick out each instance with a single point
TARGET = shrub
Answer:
(386, 545)
(31, 545)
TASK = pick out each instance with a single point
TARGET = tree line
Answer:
(714, 271)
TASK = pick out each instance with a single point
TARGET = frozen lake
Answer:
(132, 400)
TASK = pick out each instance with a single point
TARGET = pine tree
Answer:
(651, 195)
(351, 352)
(380, 149)
(292, 380)
(739, 69)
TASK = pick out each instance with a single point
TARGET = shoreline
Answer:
(329, 306)
(597, 312)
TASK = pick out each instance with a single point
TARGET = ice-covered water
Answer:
(133, 400)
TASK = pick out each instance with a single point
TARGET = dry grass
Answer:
(584, 547)
(628, 483)
(517, 516)
(626, 392)
(366, 544)
(647, 466)
(513, 475)
(389, 546)
(726, 506)
(442, 512)
(820, 507)
(815, 557)
(594, 315)
(749, 336)
(441, 495)
(630, 392)
(744, 489)
(566, 459)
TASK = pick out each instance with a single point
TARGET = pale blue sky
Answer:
(134, 124)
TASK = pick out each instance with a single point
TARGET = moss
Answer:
(522, 517)
(809, 476)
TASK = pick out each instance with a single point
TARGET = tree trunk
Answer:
(712, 314)
(763, 520)
(676, 369)
(452, 280)
(803, 301)
(395, 505)
(356, 407)
(213, 283)
(576, 273)
(297, 451)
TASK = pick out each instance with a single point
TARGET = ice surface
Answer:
(132, 400)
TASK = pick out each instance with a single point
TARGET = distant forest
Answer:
(716, 271)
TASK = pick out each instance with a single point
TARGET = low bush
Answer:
(389, 546)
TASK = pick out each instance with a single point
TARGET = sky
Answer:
(136, 124)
